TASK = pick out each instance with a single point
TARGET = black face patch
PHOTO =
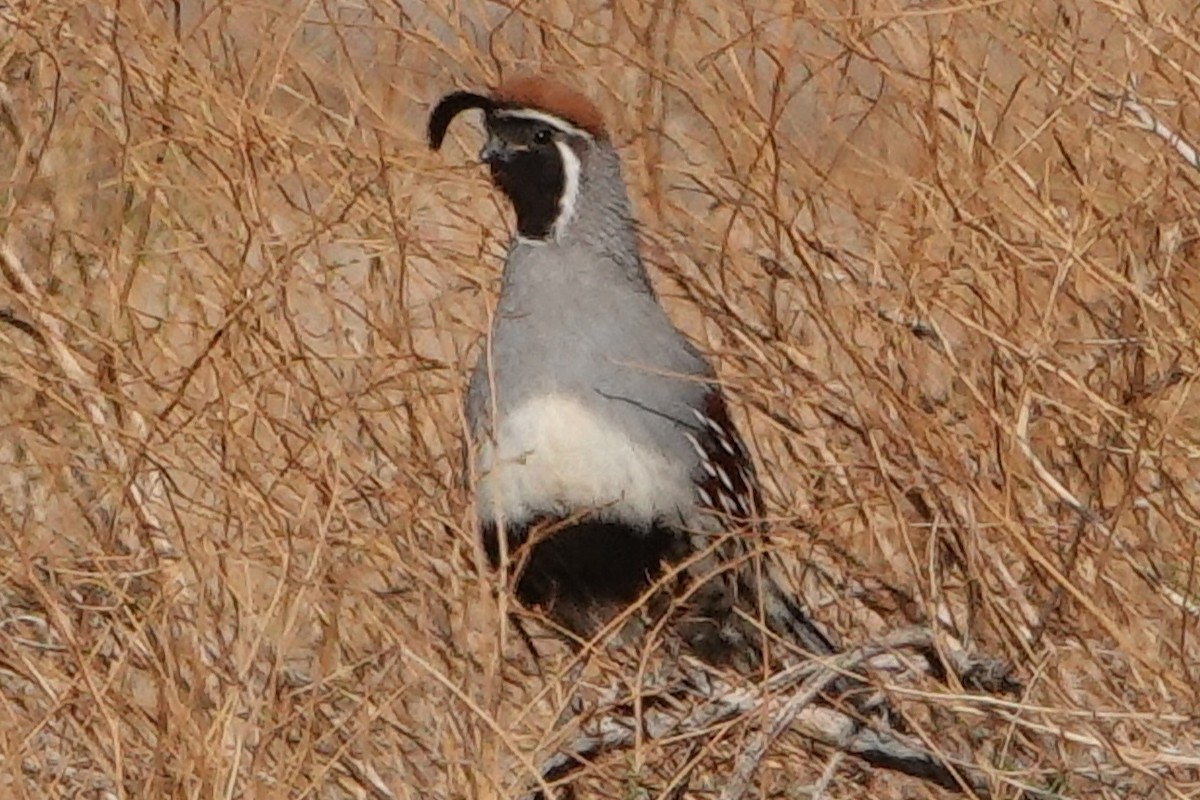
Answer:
(529, 170)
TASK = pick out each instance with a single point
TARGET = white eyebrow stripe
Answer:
(542, 116)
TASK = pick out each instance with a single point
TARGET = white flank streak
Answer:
(744, 474)
(722, 434)
(553, 455)
(570, 196)
(696, 446)
(724, 477)
(543, 117)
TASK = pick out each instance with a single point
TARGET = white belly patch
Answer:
(551, 455)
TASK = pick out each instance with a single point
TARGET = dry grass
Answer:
(951, 287)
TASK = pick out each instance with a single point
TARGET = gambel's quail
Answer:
(604, 452)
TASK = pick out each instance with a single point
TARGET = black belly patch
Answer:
(578, 572)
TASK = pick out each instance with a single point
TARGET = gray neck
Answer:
(603, 223)
(571, 306)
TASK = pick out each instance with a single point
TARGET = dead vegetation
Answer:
(945, 253)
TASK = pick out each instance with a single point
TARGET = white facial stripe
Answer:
(570, 195)
(542, 116)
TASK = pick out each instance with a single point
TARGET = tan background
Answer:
(950, 284)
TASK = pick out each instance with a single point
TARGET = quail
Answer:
(604, 453)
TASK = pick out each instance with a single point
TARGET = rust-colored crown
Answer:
(546, 94)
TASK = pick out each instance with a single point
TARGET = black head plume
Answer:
(450, 107)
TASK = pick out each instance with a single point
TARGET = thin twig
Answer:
(141, 493)
(831, 768)
(782, 719)
(1147, 121)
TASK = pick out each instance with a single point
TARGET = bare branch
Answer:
(717, 701)
(1128, 102)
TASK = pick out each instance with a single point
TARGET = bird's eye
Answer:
(543, 136)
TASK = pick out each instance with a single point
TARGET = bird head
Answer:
(539, 133)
